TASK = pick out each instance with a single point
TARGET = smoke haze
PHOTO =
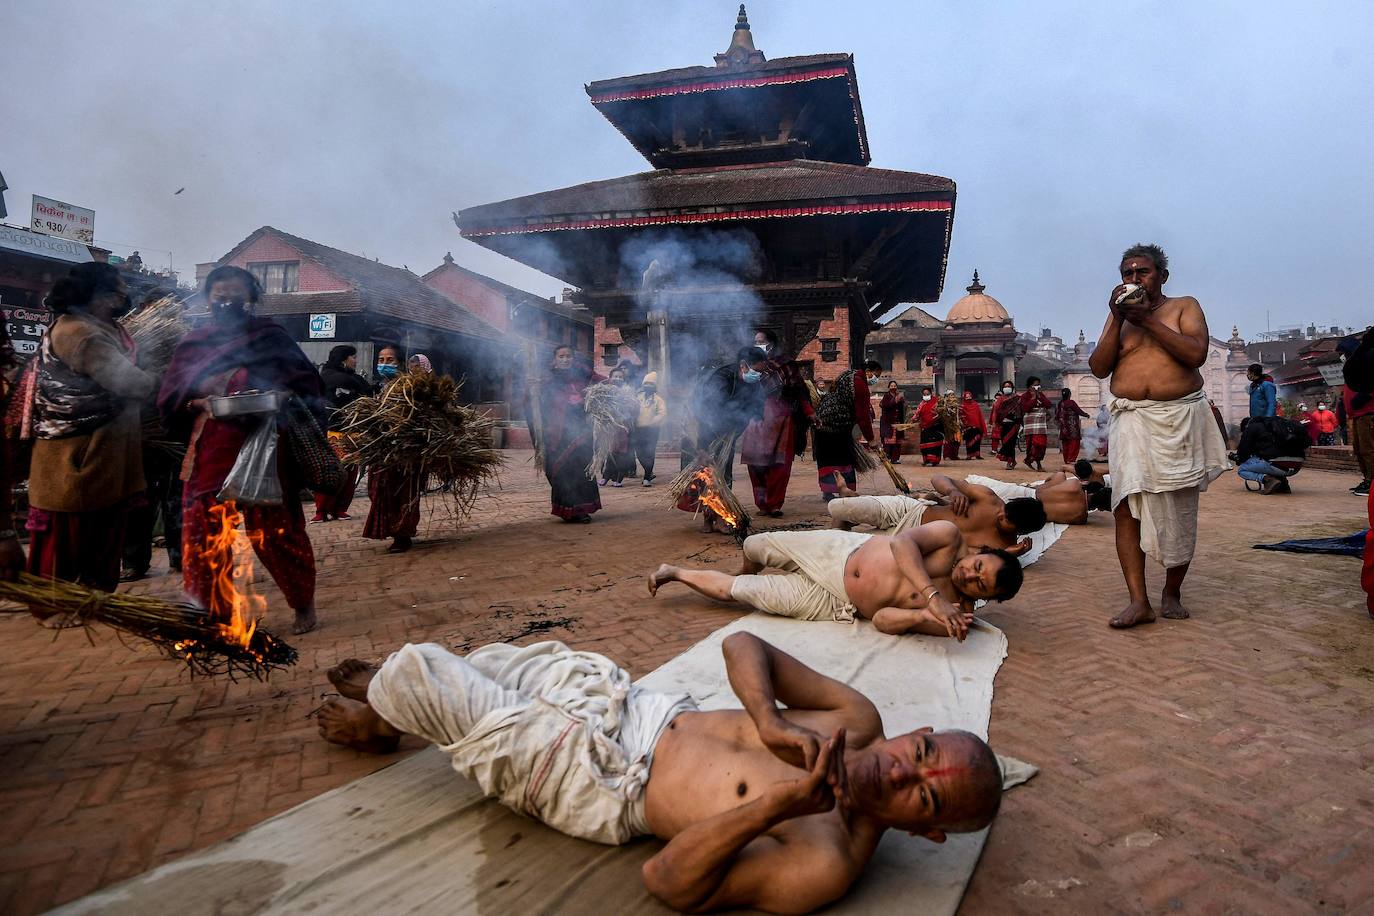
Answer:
(1234, 134)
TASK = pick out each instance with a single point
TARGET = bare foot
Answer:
(305, 620)
(351, 676)
(358, 726)
(1172, 608)
(664, 573)
(1133, 615)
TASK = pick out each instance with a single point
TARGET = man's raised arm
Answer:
(1102, 362)
(909, 550)
(761, 675)
(731, 860)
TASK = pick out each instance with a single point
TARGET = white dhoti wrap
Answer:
(558, 735)
(1162, 454)
(813, 585)
(889, 514)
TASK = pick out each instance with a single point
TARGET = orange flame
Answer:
(707, 491)
(228, 555)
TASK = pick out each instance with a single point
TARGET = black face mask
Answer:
(234, 311)
(126, 305)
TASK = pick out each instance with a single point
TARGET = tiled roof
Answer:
(581, 316)
(789, 183)
(696, 74)
(379, 289)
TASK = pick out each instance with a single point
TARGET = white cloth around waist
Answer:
(555, 734)
(890, 514)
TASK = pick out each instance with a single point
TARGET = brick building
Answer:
(324, 297)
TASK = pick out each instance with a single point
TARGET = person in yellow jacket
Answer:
(652, 412)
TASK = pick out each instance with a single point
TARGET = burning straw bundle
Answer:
(417, 425)
(182, 631)
(612, 410)
(703, 483)
(863, 459)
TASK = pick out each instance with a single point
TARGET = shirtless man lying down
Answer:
(777, 809)
(920, 581)
(982, 517)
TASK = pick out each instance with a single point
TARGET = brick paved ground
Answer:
(1217, 765)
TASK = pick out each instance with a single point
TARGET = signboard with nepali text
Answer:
(24, 322)
(53, 217)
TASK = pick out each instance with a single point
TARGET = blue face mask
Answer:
(387, 371)
(751, 376)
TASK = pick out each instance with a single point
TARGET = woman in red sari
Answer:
(971, 419)
(567, 437)
(932, 428)
(236, 352)
(394, 494)
(892, 410)
(1006, 422)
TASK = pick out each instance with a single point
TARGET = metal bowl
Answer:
(247, 404)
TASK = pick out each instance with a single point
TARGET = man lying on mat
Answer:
(920, 581)
(981, 516)
(759, 807)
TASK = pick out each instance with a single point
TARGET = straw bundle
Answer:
(690, 486)
(417, 425)
(156, 329)
(863, 459)
(897, 479)
(612, 410)
(182, 631)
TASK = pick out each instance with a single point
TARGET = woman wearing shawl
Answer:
(565, 438)
(87, 456)
(975, 427)
(1006, 422)
(891, 411)
(236, 352)
(932, 428)
(342, 386)
(395, 492)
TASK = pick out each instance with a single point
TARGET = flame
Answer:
(707, 492)
(229, 557)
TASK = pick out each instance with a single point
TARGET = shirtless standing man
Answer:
(1164, 443)
(920, 581)
(982, 517)
(777, 809)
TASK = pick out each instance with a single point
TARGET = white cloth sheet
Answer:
(415, 838)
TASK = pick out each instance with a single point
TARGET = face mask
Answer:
(1035, 387)
(1006, 391)
(767, 348)
(125, 306)
(234, 310)
(751, 376)
(872, 380)
(1321, 406)
(925, 397)
(387, 371)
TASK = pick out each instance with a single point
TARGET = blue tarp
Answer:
(1352, 545)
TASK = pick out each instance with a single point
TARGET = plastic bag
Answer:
(253, 480)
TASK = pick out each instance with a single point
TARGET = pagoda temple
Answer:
(761, 211)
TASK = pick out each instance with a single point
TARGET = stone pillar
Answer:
(950, 366)
(1008, 367)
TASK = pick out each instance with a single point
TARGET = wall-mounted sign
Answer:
(322, 326)
(24, 323)
(43, 246)
(53, 217)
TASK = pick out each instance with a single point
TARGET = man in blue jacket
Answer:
(1264, 400)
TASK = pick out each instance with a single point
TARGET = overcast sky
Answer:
(1238, 135)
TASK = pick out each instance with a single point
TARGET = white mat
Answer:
(415, 837)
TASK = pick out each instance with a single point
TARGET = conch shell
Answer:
(1131, 294)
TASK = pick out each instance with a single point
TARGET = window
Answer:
(913, 359)
(610, 353)
(908, 322)
(277, 276)
(830, 349)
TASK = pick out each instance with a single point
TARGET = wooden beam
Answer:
(870, 254)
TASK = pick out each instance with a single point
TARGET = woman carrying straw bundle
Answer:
(621, 461)
(237, 352)
(395, 492)
(843, 406)
(564, 437)
(87, 457)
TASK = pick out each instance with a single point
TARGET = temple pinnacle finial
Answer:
(975, 287)
(741, 51)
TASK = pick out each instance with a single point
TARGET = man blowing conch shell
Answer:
(1165, 447)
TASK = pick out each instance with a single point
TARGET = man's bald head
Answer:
(929, 783)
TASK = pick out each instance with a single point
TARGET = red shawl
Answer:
(972, 415)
